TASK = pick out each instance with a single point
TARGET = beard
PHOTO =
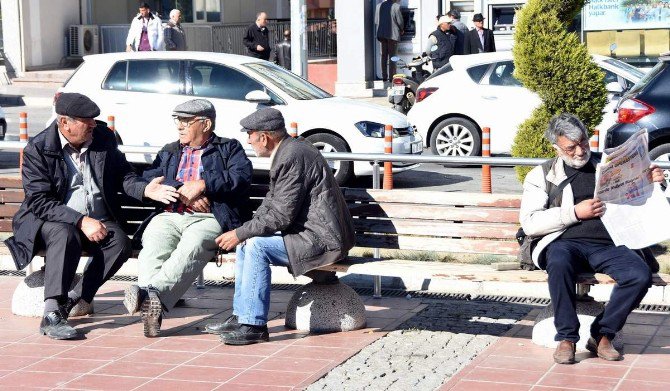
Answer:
(579, 162)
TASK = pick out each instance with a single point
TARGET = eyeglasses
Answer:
(584, 144)
(186, 122)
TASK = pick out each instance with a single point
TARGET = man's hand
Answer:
(201, 204)
(228, 240)
(161, 193)
(259, 48)
(589, 209)
(190, 191)
(129, 48)
(656, 174)
(94, 229)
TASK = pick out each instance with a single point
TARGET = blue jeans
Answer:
(251, 302)
(567, 257)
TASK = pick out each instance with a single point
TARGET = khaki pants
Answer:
(176, 247)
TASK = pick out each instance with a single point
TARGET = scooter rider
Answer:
(444, 40)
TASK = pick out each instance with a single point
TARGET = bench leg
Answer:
(583, 292)
(200, 282)
(377, 287)
(30, 269)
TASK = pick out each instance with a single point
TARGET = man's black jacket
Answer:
(257, 36)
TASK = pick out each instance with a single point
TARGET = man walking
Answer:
(459, 29)
(257, 38)
(444, 42)
(303, 223)
(175, 38)
(72, 174)
(146, 31)
(389, 21)
(479, 39)
(212, 176)
(282, 55)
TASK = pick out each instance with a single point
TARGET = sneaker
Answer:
(230, 324)
(134, 296)
(246, 335)
(54, 325)
(152, 314)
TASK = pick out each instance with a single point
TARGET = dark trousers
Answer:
(565, 258)
(389, 49)
(64, 244)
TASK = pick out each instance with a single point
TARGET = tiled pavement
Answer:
(114, 355)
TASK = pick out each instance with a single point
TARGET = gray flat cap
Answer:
(267, 119)
(195, 108)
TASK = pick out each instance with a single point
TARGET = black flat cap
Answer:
(267, 119)
(478, 18)
(72, 104)
(195, 108)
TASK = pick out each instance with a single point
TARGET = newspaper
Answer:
(636, 210)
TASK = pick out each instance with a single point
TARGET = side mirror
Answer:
(395, 59)
(258, 96)
(614, 88)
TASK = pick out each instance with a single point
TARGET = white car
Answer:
(3, 124)
(140, 89)
(479, 90)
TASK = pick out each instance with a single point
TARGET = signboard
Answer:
(626, 14)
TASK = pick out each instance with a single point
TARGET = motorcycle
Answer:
(403, 88)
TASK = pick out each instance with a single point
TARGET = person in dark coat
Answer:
(72, 173)
(303, 223)
(390, 23)
(212, 175)
(282, 55)
(257, 39)
(459, 29)
(441, 43)
(479, 39)
(173, 32)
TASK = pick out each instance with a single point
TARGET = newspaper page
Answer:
(636, 210)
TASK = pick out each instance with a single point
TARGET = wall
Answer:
(11, 35)
(244, 11)
(45, 26)
(113, 12)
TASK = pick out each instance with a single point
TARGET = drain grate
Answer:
(654, 307)
(513, 299)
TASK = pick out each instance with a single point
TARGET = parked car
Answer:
(140, 89)
(478, 90)
(646, 105)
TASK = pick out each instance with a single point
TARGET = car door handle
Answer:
(489, 97)
(120, 103)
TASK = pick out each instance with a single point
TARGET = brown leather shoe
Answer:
(565, 353)
(603, 348)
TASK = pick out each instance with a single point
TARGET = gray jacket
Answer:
(306, 205)
(175, 38)
(389, 21)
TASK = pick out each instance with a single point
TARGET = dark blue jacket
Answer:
(227, 174)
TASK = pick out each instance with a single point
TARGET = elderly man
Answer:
(257, 38)
(444, 42)
(575, 240)
(72, 173)
(146, 31)
(479, 39)
(174, 36)
(212, 175)
(303, 223)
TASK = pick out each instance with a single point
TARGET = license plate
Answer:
(398, 90)
(417, 147)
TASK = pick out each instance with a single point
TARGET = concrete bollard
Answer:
(23, 133)
(486, 152)
(388, 149)
(110, 123)
(594, 142)
(293, 129)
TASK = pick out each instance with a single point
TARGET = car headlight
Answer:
(373, 129)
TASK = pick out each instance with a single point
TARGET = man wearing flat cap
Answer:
(479, 39)
(212, 176)
(72, 174)
(303, 223)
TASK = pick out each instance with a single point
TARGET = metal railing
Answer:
(227, 38)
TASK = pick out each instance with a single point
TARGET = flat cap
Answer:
(267, 119)
(195, 108)
(478, 18)
(72, 104)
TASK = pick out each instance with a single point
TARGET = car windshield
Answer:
(288, 82)
(655, 71)
(625, 67)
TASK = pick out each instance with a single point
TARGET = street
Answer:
(35, 99)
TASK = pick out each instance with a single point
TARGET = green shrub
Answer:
(553, 63)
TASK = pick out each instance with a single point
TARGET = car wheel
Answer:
(325, 142)
(661, 153)
(456, 137)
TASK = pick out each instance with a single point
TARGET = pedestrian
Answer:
(389, 21)
(146, 31)
(441, 43)
(574, 240)
(282, 55)
(175, 37)
(212, 176)
(459, 29)
(479, 39)
(257, 39)
(303, 223)
(72, 175)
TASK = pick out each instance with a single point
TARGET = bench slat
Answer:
(431, 212)
(13, 195)
(10, 182)
(437, 228)
(438, 244)
(433, 198)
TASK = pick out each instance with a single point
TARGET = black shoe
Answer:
(152, 314)
(134, 296)
(246, 335)
(230, 324)
(54, 325)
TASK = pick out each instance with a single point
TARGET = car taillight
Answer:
(632, 110)
(423, 93)
(56, 97)
(397, 81)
